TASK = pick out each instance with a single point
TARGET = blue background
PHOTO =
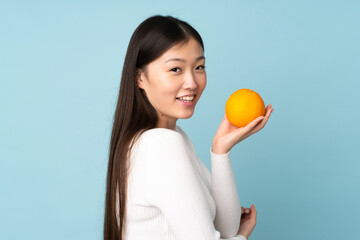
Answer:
(61, 63)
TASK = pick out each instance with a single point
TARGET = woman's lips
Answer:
(186, 103)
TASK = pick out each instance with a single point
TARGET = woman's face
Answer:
(179, 72)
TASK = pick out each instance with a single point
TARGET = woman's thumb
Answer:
(253, 211)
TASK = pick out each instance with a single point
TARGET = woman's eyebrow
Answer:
(183, 60)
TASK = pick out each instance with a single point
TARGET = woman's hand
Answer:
(228, 135)
(247, 221)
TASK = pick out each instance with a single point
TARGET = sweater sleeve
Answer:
(173, 186)
(225, 195)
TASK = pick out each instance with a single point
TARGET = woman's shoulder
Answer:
(154, 140)
(162, 136)
(158, 141)
(154, 133)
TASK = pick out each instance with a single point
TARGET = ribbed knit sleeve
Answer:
(174, 186)
(225, 195)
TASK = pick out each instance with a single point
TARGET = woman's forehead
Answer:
(183, 52)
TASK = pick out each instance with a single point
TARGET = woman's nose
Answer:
(190, 81)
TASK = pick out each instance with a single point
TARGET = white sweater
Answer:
(173, 196)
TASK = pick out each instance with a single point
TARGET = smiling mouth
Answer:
(186, 100)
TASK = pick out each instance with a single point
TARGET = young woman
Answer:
(157, 187)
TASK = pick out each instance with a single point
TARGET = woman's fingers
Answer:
(245, 210)
(257, 124)
(254, 123)
(253, 212)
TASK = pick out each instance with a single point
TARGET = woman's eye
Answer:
(201, 67)
(175, 69)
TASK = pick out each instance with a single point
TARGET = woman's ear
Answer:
(140, 78)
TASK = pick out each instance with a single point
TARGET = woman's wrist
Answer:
(243, 237)
(218, 149)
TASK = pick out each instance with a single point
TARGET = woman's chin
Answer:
(186, 115)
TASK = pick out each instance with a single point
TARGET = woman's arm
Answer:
(225, 195)
(226, 137)
(173, 186)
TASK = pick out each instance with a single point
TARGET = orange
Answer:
(243, 106)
